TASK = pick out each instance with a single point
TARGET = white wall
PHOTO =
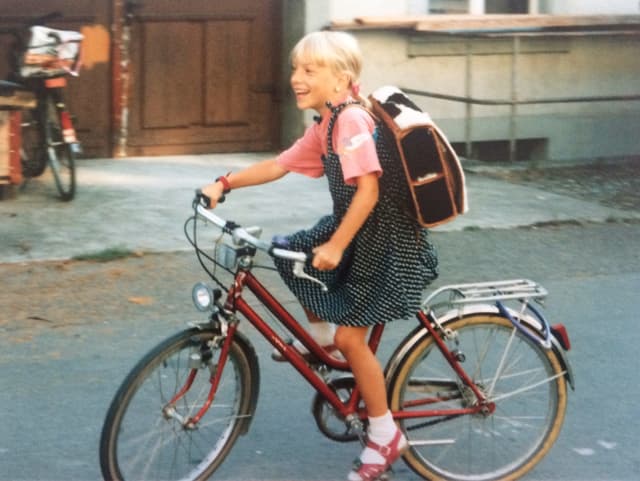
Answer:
(548, 68)
(346, 10)
(590, 7)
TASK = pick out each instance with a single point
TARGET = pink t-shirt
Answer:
(352, 140)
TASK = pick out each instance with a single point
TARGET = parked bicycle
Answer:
(479, 387)
(41, 59)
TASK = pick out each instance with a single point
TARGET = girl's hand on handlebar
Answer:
(327, 256)
(215, 194)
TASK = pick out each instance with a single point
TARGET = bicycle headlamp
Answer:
(202, 296)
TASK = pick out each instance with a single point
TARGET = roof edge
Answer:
(453, 24)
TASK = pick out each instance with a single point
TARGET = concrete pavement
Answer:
(142, 203)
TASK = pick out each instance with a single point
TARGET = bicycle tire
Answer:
(530, 396)
(60, 154)
(140, 441)
(33, 156)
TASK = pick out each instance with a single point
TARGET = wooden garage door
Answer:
(204, 76)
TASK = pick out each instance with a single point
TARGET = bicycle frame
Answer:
(236, 303)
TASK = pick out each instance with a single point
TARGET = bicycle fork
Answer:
(197, 360)
(66, 121)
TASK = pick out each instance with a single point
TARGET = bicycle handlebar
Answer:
(239, 233)
(42, 20)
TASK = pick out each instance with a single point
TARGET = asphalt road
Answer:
(71, 331)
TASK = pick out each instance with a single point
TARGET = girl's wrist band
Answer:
(225, 183)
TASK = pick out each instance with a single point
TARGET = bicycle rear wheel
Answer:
(60, 153)
(145, 438)
(525, 381)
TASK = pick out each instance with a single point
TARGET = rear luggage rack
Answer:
(478, 292)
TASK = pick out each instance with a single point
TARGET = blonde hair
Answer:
(337, 50)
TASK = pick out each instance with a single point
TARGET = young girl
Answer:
(375, 259)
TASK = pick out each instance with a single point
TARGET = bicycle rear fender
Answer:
(470, 310)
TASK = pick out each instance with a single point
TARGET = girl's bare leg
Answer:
(367, 371)
(320, 330)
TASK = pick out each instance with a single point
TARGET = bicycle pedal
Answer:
(386, 476)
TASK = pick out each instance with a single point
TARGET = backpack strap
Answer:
(335, 111)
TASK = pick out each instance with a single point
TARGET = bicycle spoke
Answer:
(501, 363)
(528, 387)
(476, 372)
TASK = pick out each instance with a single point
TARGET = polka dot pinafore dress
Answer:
(387, 265)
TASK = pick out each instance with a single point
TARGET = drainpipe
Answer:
(125, 40)
(116, 74)
(124, 11)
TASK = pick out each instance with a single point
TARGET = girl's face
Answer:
(315, 84)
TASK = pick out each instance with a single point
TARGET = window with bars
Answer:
(448, 6)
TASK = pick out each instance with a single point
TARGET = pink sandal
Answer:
(390, 452)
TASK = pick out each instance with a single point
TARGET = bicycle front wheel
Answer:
(146, 435)
(60, 153)
(33, 155)
(525, 381)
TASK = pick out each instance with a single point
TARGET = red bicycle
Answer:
(479, 387)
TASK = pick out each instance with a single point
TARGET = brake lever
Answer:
(298, 271)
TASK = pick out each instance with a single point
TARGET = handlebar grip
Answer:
(202, 199)
(281, 242)
(205, 200)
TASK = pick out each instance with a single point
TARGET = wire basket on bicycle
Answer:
(51, 53)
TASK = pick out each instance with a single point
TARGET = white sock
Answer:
(381, 431)
(322, 332)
